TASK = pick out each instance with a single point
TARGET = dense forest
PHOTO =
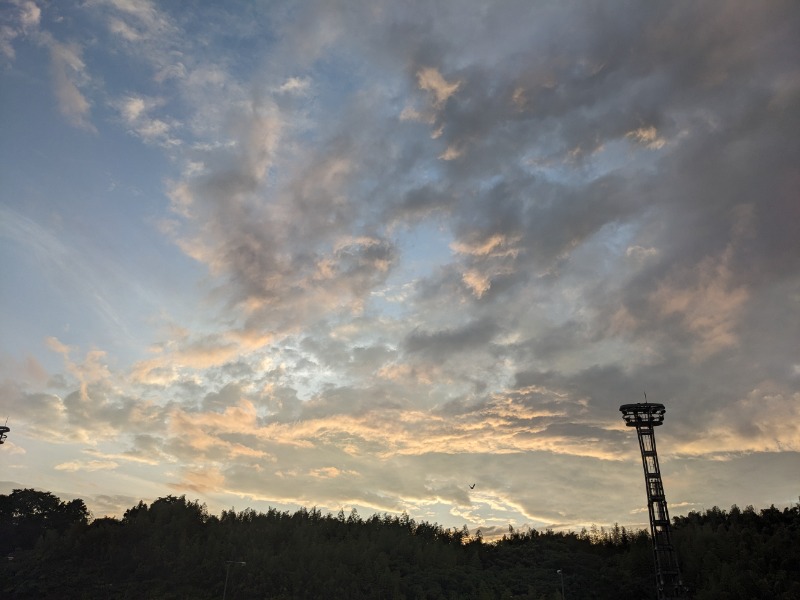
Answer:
(173, 549)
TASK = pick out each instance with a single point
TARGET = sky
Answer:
(364, 255)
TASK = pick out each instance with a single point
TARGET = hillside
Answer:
(173, 549)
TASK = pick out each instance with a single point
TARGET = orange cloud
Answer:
(709, 306)
(430, 80)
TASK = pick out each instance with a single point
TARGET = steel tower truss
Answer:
(644, 416)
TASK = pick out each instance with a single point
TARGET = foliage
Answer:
(174, 549)
(26, 515)
(741, 554)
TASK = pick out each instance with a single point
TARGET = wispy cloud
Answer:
(135, 110)
(69, 74)
(91, 465)
(20, 20)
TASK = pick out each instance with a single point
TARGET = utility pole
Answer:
(228, 572)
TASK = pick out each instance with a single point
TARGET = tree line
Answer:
(174, 549)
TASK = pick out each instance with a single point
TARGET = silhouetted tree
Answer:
(174, 549)
(26, 514)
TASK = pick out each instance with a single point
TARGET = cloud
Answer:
(710, 308)
(110, 505)
(152, 130)
(647, 136)
(134, 21)
(67, 67)
(7, 35)
(121, 28)
(640, 253)
(42, 412)
(429, 262)
(200, 353)
(451, 153)
(69, 75)
(91, 465)
(125, 456)
(22, 20)
(295, 85)
(430, 80)
(444, 343)
(29, 13)
(200, 480)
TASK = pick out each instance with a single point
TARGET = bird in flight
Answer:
(472, 487)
